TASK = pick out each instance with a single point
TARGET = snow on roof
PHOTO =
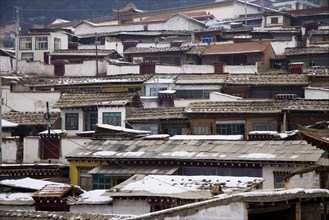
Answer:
(92, 197)
(207, 137)
(167, 91)
(53, 131)
(175, 184)
(157, 136)
(118, 128)
(112, 153)
(16, 199)
(264, 132)
(258, 156)
(8, 124)
(27, 183)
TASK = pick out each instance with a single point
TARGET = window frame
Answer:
(39, 42)
(57, 45)
(28, 58)
(26, 42)
(113, 117)
(274, 20)
(68, 120)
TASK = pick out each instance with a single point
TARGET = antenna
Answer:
(17, 38)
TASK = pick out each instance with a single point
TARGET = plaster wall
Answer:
(280, 46)
(35, 68)
(316, 93)
(31, 149)
(122, 69)
(87, 68)
(28, 101)
(267, 174)
(130, 207)
(252, 69)
(5, 64)
(310, 180)
(9, 149)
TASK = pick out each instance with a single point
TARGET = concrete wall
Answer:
(68, 144)
(9, 150)
(28, 101)
(267, 174)
(130, 207)
(316, 93)
(94, 209)
(280, 46)
(122, 69)
(6, 64)
(240, 69)
(87, 68)
(310, 180)
(35, 68)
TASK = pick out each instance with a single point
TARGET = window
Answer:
(193, 94)
(41, 43)
(279, 178)
(25, 43)
(112, 118)
(72, 121)
(85, 181)
(202, 130)
(229, 129)
(263, 126)
(57, 43)
(100, 181)
(154, 91)
(275, 20)
(27, 56)
(206, 39)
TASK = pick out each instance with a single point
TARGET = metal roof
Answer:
(211, 150)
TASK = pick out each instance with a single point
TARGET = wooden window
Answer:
(57, 43)
(279, 178)
(202, 130)
(85, 181)
(25, 43)
(274, 20)
(100, 181)
(27, 56)
(230, 129)
(263, 126)
(72, 121)
(112, 118)
(41, 43)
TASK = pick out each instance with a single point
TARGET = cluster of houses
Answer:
(196, 112)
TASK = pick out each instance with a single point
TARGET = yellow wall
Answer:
(74, 172)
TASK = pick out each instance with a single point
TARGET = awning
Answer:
(131, 170)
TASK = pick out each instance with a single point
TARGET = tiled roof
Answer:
(319, 31)
(139, 50)
(306, 50)
(32, 215)
(93, 99)
(196, 49)
(83, 52)
(309, 11)
(266, 79)
(161, 78)
(259, 106)
(30, 118)
(155, 114)
(211, 150)
(200, 79)
(56, 190)
(236, 48)
(43, 81)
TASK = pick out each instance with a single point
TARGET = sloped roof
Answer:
(30, 118)
(236, 48)
(83, 52)
(211, 150)
(161, 17)
(266, 79)
(154, 114)
(200, 79)
(306, 50)
(93, 99)
(56, 190)
(258, 106)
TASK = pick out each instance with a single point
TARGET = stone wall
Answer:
(310, 180)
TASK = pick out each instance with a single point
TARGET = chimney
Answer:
(166, 99)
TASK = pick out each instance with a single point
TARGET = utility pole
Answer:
(17, 38)
(96, 42)
(245, 12)
(0, 119)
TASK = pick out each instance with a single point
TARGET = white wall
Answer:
(89, 29)
(176, 22)
(149, 102)
(68, 144)
(316, 93)
(267, 174)
(186, 102)
(80, 112)
(240, 69)
(94, 209)
(31, 149)
(148, 87)
(28, 101)
(130, 207)
(9, 148)
(87, 68)
(35, 68)
(122, 69)
(239, 9)
(221, 97)
(280, 46)
(187, 68)
(6, 65)
(114, 45)
(120, 109)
